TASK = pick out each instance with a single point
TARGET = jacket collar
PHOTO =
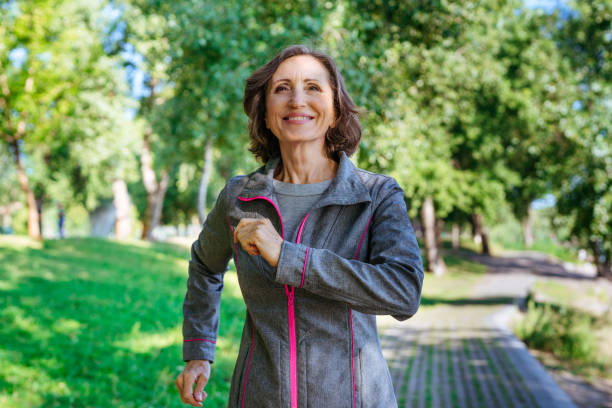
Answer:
(346, 188)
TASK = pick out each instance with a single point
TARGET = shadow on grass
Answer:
(535, 263)
(496, 300)
(91, 322)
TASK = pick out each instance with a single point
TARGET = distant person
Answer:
(313, 278)
(61, 216)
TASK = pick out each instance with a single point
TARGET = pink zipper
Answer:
(292, 339)
(290, 307)
(292, 348)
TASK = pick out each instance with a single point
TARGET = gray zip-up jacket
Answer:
(310, 337)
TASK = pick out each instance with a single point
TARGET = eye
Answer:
(314, 87)
(280, 88)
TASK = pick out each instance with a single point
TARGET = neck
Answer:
(305, 164)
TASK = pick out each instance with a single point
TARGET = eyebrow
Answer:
(288, 80)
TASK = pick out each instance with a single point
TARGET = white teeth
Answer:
(298, 118)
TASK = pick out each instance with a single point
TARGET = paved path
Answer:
(463, 355)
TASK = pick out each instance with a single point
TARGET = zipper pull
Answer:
(291, 295)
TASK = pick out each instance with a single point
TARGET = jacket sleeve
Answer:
(390, 283)
(210, 254)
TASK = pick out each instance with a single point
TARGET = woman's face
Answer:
(300, 101)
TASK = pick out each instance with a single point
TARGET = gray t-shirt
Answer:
(294, 201)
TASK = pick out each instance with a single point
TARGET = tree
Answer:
(207, 51)
(428, 65)
(55, 91)
(584, 199)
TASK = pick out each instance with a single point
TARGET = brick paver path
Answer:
(463, 355)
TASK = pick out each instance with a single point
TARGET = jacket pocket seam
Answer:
(359, 381)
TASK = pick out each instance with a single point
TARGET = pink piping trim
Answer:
(275, 207)
(206, 340)
(363, 236)
(299, 238)
(351, 316)
(304, 268)
(353, 359)
(292, 347)
(291, 313)
(236, 244)
(246, 376)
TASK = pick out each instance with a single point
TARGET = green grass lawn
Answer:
(455, 285)
(96, 323)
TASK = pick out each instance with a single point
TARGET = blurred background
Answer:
(120, 121)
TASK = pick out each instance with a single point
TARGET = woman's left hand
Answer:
(257, 236)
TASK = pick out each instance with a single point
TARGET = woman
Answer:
(320, 248)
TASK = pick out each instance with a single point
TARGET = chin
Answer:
(295, 137)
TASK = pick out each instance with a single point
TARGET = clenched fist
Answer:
(195, 372)
(257, 236)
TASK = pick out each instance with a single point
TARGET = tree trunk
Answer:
(455, 236)
(435, 263)
(158, 203)
(39, 210)
(439, 227)
(121, 201)
(208, 158)
(480, 231)
(155, 191)
(33, 219)
(604, 267)
(527, 223)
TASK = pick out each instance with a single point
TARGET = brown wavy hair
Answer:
(344, 136)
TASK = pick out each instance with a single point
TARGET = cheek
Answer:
(330, 112)
(272, 110)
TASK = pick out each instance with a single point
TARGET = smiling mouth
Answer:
(298, 118)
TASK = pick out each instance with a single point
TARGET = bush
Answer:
(567, 333)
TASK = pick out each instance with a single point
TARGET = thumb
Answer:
(199, 393)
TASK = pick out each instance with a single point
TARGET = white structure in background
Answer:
(102, 221)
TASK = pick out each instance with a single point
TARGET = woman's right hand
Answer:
(198, 372)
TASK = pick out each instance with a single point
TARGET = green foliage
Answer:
(89, 322)
(584, 199)
(63, 102)
(567, 333)
(482, 105)
(8, 182)
(507, 232)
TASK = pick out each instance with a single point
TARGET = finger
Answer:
(244, 233)
(238, 231)
(254, 250)
(199, 393)
(187, 394)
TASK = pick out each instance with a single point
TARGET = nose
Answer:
(297, 98)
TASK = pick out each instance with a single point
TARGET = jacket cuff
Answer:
(198, 349)
(292, 264)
